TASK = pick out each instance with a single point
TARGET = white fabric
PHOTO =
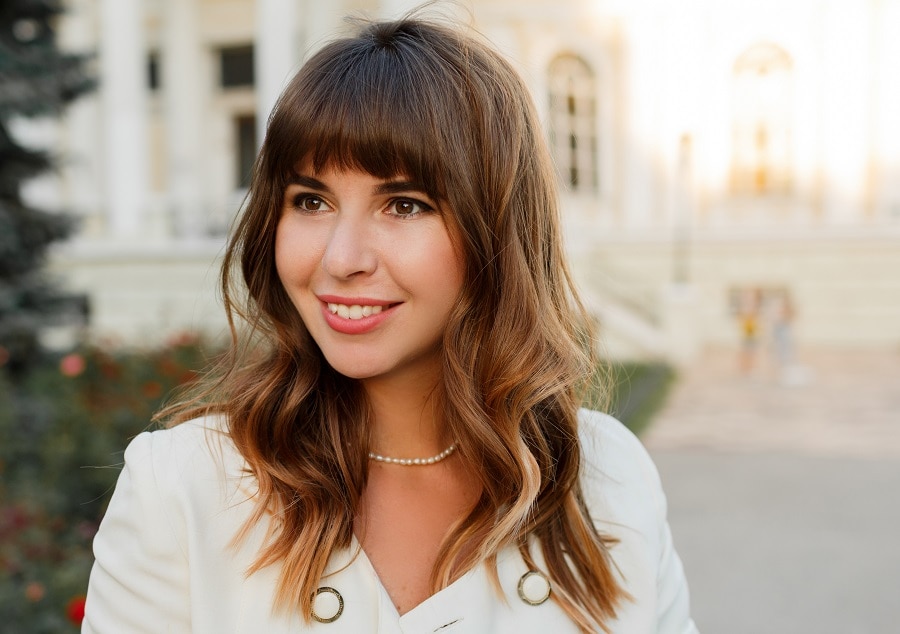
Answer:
(164, 564)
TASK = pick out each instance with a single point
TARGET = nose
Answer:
(350, 251)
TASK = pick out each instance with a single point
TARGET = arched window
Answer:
(762, 87)
(573, 122)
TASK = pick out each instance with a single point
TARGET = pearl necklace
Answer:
(409, 462)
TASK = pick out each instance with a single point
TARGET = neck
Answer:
(406, 418)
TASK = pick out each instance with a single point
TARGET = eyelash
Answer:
(301, 199)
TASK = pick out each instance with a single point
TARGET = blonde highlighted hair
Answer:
(423, 100)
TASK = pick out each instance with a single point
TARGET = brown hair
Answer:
(420, 99)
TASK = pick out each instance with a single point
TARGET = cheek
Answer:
(292, 256)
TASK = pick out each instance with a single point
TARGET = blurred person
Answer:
(782, 315)
(749, 323)
(394, 442)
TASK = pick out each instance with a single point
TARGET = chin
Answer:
(355, 370)
(354, 373)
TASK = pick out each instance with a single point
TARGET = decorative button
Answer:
(534, 588)
(328, 604)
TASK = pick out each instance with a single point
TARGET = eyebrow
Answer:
(386, 187)
(308, 181)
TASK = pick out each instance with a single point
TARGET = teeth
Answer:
(353, 312)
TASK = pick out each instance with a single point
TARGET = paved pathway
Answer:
(785, 498)
(832, 403)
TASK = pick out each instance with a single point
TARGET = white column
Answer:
(886, 101)
(123, 92)
(275, 55)
(845, 55)
(184, 97)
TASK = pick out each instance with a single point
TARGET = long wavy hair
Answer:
(423, 100)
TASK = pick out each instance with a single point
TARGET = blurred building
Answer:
(710, 151)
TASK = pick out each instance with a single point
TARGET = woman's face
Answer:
(371, 268)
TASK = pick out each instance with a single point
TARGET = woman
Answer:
(394, 443)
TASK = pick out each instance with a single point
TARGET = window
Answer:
(153, 71)
(573, 116)
(246, 148)
(236, 65)
(762, 86)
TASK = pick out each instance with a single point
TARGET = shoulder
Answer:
(163, 513)
(619, 480)
(194, 462)
(181, 497)
(200, 443)
(183, 440)
(614, 457)
(624, 496)
(596, 429)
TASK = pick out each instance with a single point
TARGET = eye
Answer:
(406, 207)
(310, 202)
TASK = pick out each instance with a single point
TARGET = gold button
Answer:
(534, 588)
(328, 604)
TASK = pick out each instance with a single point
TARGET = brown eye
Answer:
(308, 202)
(405, 207)
(408, 207)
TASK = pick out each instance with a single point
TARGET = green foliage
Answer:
(634, 391)
(62, 433)
(35, 79)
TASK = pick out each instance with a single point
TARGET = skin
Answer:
(346, 238)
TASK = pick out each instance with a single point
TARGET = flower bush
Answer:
(63, 430)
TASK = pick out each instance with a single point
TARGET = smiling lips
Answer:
(355, 311)
(356, 318)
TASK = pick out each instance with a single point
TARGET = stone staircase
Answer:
(630, 317)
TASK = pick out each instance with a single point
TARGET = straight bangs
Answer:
(370, 105)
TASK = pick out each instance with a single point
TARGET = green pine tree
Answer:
(36, 79)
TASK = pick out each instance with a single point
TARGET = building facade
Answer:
(714, 155)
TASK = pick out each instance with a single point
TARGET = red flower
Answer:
(72, 365)
(75, 610)
(35, 591)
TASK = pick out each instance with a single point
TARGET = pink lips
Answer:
(359, 326)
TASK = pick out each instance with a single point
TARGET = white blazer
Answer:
(164, 563)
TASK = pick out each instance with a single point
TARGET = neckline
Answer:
(431, 605)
